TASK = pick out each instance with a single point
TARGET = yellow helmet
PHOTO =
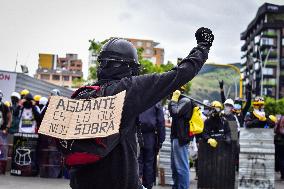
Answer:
(7, 103)
(37, 98)
(24, 92)
(216, 104)
(183, 87)
(258, 101)
(273, 118)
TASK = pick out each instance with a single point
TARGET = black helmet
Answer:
(118, 52)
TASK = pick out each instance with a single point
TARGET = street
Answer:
(14, 182)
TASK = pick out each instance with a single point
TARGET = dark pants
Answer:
(146, 162)
(281, 159)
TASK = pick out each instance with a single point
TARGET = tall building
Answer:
(152, 51)
(59, 71)
(263, 52)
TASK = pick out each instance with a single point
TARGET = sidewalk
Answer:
(14, 182)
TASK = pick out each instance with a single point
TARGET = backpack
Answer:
(87, 151)
(196, 123)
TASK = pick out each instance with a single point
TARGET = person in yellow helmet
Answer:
(23, 93)
(216, 126)
(7, 103)
(36, 99)
(257, 117)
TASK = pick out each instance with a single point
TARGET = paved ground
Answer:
(13, 182)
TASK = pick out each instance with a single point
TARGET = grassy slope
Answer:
(205, 85)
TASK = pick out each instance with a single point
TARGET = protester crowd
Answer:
(23, 115)
(114, 165)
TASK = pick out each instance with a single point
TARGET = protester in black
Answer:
(181, 109)
(15, 108)
(152, 124)
(238, 108)
(257, 117)
(5, 116)
(279, 146)
(116, 73)
(216, 127)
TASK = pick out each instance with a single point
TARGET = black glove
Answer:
(204, 37)
(221, 84)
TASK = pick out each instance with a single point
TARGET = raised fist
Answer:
(221, 84)
(204, 36)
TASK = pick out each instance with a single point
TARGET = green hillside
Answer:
(206, 86)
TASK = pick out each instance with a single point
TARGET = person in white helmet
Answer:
(15, 108)
(42, 107)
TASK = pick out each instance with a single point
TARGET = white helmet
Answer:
(43, 101)
(15, 94)
(229, 102)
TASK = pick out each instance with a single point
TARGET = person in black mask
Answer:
(5, 116)
(216, 127)
(15, 108)
(118, 71)
(29, 115)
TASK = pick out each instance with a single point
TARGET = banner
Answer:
(7, 84)
(80, 119)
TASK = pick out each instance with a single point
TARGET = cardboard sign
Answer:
(80, 119)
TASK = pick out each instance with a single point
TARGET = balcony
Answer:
(269, 34)
(272, 54)
(271, 63)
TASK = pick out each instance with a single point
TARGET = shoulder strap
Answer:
(81, 89)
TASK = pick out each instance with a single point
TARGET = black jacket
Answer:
(153, 125)
(217, 127)
(4, 111)
(251, 121)
(119, 169)
(243, 113)
(181, 113)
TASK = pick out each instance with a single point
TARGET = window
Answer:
(139, 43)
(55, 77)
(148, 44)
(266, 41)
(268, 71)
(44, 76)
(66, 78)
(148, 51)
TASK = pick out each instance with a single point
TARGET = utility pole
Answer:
(16, 63)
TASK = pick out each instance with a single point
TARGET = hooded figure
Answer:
(29, 116)
(118, 71)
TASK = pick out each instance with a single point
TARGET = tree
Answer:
(274, 107)
(78, 82)
(95, 48)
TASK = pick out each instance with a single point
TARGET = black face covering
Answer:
(27, 104)
(14, 100)
(114, 73)
(41, 106)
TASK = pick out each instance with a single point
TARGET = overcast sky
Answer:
(30, 27)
